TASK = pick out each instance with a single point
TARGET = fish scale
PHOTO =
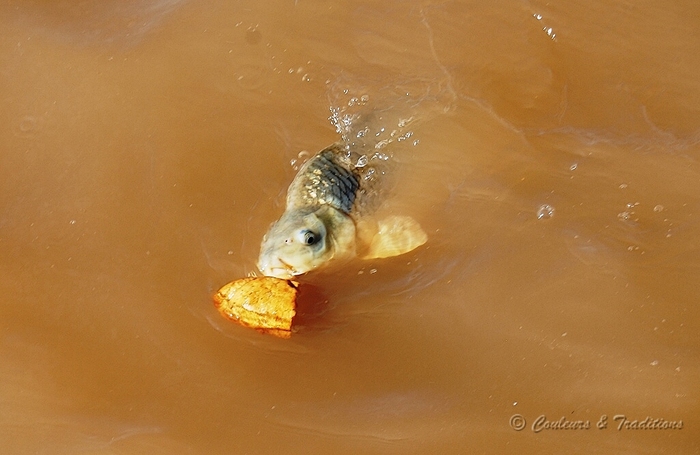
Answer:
(325, 179)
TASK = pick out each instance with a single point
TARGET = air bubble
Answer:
(405, 136)
(361, 101)
(362, 161)
(381, 156)
(573, 167)
(658, 208)
(545, 211)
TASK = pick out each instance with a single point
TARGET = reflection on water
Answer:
(549, 151)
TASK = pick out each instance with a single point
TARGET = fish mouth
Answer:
(283, 271)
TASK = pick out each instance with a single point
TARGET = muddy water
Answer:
(549, 150)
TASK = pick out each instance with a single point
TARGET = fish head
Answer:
(305, 239)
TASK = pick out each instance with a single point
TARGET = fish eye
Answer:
(309, 237)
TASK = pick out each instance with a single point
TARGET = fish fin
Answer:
(366, 229)
(395, 235)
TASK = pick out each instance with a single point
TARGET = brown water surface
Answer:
(550, 150)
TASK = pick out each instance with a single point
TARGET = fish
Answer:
(325, 219)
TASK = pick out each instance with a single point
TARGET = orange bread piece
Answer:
(265, 303)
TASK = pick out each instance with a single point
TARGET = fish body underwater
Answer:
(325, 219)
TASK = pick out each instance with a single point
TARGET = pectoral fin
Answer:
(395, 235)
